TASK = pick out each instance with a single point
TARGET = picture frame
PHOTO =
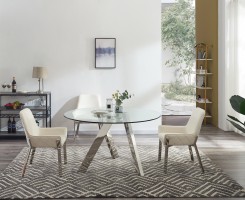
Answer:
(105, 53)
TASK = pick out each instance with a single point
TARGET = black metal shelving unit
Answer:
(39, 112)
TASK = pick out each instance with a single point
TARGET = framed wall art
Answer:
(105, 53)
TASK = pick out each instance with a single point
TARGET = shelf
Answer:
(40, 112)
(204, 74)
(24, 94)
(204, 88)
(203, 59)
(6, 135)
(34, 108)
(18, 133)
(203, 78)
(36, 115)
(203, 101)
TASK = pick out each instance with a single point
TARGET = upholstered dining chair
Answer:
(86, 101)
(37, 137)
(181, 135)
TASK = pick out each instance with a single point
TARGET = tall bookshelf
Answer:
(204, 80)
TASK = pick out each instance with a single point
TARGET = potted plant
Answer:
(119, 98)
(238, 104)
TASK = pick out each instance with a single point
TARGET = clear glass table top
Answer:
(129, 115)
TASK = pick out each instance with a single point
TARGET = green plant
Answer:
(178, 34)
(238, 104)
(177, 91)
(120, 97)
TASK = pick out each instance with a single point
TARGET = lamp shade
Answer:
(40, 72)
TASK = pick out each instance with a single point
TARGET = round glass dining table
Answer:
(105, 119)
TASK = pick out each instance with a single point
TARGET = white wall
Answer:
(60, 34)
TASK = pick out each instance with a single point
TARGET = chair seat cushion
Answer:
(48, 137)
(177, 138)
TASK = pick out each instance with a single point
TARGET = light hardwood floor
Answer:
(225, 149)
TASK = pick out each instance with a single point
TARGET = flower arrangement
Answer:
(120, 97)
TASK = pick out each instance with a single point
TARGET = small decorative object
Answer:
(199, 81)
(15, 105)
(9, 126)
(203, 83)
(105, 53)
(14, 85)
(204, 55)
(119, 98)
(109, 104)
(9, 86)
(13, 126)
(100, 113)
(40, 73)
(199, 55)
(4, 85)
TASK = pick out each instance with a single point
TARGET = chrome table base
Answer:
(104, 133)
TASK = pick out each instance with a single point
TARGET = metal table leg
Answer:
(133, 148)
(110, 144)
(94, 147)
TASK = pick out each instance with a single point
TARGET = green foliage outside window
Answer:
(178, 34)
(179, 92)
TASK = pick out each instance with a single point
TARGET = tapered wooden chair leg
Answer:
(24, 167)
(199, 158)
(191, 153)
(166, 159)
(160, 150)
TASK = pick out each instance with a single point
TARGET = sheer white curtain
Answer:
(232, 67)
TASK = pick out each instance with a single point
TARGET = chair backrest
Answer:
(89, 101)
(29, 123)
(195, 122)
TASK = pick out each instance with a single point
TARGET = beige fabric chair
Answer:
(181, 135)
(42, 138)
(86, 101)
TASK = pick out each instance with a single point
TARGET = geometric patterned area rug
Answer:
(107, 177)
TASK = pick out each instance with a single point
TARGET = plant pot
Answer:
(118, 108)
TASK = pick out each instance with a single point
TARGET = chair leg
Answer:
(24, 167)
(160, 150)
(59, 157)
(32, 155)
(65, 154)
(191, 153)
(59, 162)
(76, 133)
(199, 158)
(166, 159)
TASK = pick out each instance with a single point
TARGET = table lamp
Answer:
(40, 73)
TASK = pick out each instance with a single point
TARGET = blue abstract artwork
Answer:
(105, 52)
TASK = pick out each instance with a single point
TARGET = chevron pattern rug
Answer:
(107, 177)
